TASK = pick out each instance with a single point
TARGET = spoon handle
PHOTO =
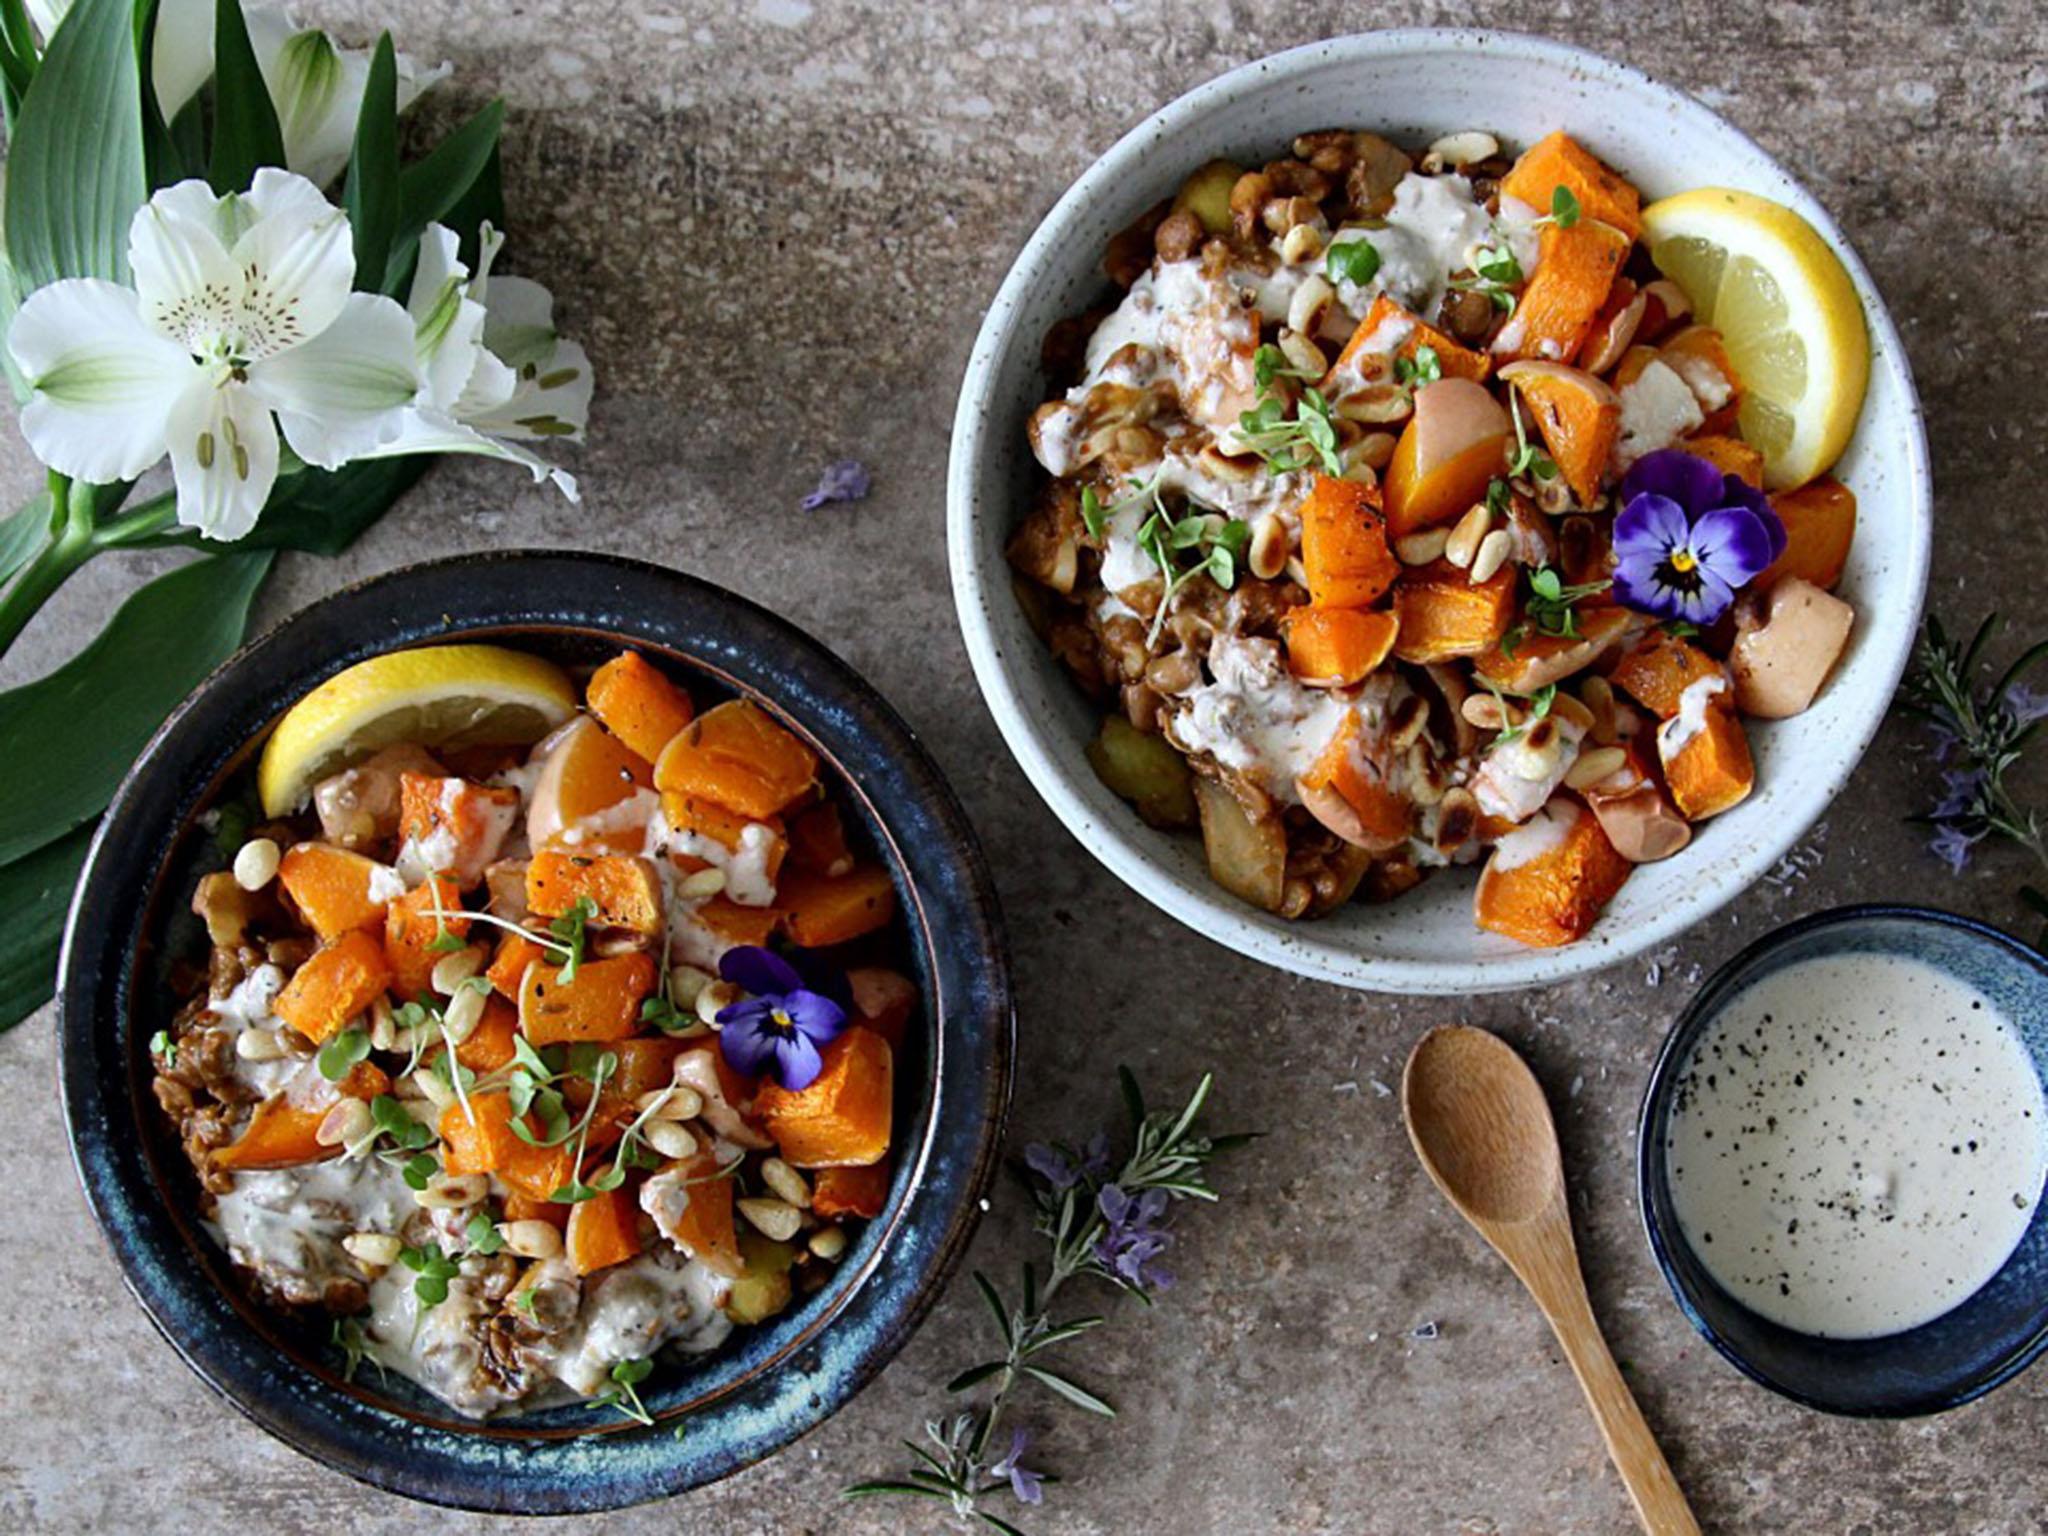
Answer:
(1660, 1502)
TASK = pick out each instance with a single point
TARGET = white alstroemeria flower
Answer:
(496, 373)
(315, 85)
(241, 313)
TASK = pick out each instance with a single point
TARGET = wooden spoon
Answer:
(1479, 1123)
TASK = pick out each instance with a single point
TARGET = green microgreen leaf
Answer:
(1564, 207)
(391, 1119)
(161, 1044)
(434, 1268)
(1355, 261)
(420, 1171)
(342, 1051)
(482, 1234)
(570, 929)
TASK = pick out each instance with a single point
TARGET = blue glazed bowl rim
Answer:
(1651, 1193)
(782, 1387)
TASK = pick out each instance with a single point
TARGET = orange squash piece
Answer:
(739, 756)
(520, 1206)
(626, 892)
(638, 704)
(488, 1046)
(1575, 268)
(602, 1003)
(410, 932)
(1347, 766)
(1455, 442)
(331, 887)
(735, 924)
(842, 1192)
(843, 1117)
(704, 1228)
(1344, 544)
(817, 841)
(1389, 331)
(1559, 160)
(481, 1140)
(456, 826)
(603, 1230)
(1555, 896)
(340, 979)
(821, 910)
(1712, 771)
(1820, 525)
(1442, 613)
(285, 1134)
(1730, 455)
(1631, 366)
(1337, 646)
(883, 1000)
(645, 1064)
(1658, 668)
(1577, 416)
(1531, 665)
(508, 966)
(695, 815)
(587, 772)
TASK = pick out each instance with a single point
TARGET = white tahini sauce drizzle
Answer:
(1677, 733)
(1541, 833)
(1255, 717)
(1857, 1145)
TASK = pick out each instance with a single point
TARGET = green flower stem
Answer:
(72, 542)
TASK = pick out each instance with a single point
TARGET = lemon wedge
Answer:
(1786, 310)
(437, 695)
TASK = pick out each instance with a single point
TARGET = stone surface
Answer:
(775, 224)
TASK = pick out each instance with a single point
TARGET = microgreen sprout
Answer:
(1425, 367)
(391, 1119)
(570, 928)
(419, 1170)
(1564, 208)
(1096, 513)
(1528, 459)
(1289, 443)
(1352, 261)
(1218, 542)
(163, 1045)
(1496, 274)
(341, 1053)
(623, 1394)
(434, 1268)
(1553, 603)
(348, 1337)
(482, 1234)
(1539, 707)
(1270, 363)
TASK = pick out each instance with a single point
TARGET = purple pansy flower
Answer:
(843, 480)
(1133, 1241)
(779, 1026)
(1029, 1486)
(1687, 536)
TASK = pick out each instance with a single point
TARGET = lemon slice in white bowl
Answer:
(439, 696)
(1787, 311)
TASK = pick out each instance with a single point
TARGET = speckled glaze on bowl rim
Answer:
(1943, 1364)
(769, 1384)
(1438, 80)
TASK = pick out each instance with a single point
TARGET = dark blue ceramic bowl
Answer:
(716, 1413)
(1961, 1355)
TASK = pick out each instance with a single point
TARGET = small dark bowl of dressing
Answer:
(1840, 1160)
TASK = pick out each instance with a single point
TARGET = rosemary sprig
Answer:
(1981, 732)
(1102, 1224)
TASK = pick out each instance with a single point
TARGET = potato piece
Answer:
(763, 1287)
(1146, 771)
(1206, 195)
(1787, 641)
(1247, 858)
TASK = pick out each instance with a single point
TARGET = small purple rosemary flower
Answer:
(2025, 704)
(1952, 845)
(1057, 1166)
(779, 1026)
(1961, 788)
(1029, 1486)
(843, 480)
(1688, 536)
(1133, 1241)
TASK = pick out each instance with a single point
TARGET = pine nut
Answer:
(379, 1250)
(451, 971)
(714, 999)
(256, 863)
(1488, 712)
(464, 1012)
(1594, 766)
(685, 982)
(531, 1239)
(1303, 243)
(1491, 555)
(1542, 744)
(702, 885)
(1311, 301)
(828, 1243)
(381, 1026)
(786, 1182)
(777, 1219)
(1377, 448)
(1457, 818)
(261, 1045)
(1237, 468)
(670, 1138)
(1376, 404)
(1270, 547)
(681, 1102)
(1406, 723)
(1565, 707)
(1303, 354)
(347, 1121)
(451, 1192)
(1598, 695)
(435, 1091)
(1421, 548)
(1466, 534)
(1454, 150)
(1296, 571)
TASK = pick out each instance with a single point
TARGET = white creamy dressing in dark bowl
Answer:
(1857, 1144)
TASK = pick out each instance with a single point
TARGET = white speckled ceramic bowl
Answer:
(1413, 86)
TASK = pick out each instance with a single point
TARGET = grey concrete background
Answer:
(776, 223)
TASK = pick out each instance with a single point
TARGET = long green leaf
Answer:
(164, 157)
(372, 194)
(18, 56)
(35, 892)
(75, 172)
(245, 130)
(433, 186)
(23, 532)
(483, 203)
(1073, 1392)
(72, 735)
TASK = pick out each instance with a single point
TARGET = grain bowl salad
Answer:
(545, 1032)
(1408, 510)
